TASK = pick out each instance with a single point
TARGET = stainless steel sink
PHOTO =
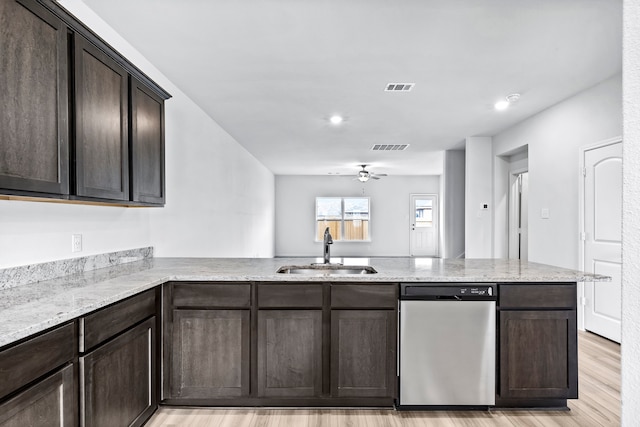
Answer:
(327, 269)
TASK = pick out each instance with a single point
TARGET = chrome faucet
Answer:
(328, 240)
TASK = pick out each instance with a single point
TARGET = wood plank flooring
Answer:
(598, 405)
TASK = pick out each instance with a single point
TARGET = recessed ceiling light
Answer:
(508, 100)
(336, 120)
(501, 105)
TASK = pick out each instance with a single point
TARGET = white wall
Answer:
(34, 232)
(220, 199)
(553, 138)
(631, 216)
(478, 192)
(390, 213)
(454, 195)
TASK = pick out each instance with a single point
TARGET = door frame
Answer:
(513, 210)
(581, 239)
(436, 216)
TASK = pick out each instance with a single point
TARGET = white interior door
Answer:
(424, 225)
(603, 238)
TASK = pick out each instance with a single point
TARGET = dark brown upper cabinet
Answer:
(34, 125)
(147, 145)
(101, 136)
(79, 120)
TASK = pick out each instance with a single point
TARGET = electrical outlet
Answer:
(76, 243)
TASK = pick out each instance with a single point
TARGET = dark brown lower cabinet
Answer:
(209, 354)
(117, 380)
(363, 353)
(279, 344)
(48, 403)
(538, 354)
(289, 353)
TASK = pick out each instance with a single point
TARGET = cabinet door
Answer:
(117, 380)
(48, 403)
(289, 353)
(209, 354)
(147, 145)
(34, 125)
(363, 353)
(538, 354)
(102, 146)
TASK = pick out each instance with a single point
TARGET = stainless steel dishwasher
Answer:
(447, 345)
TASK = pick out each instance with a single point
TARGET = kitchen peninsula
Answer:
(232, 332)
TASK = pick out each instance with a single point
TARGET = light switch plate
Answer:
(544, 213)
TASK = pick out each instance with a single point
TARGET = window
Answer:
(346, 217)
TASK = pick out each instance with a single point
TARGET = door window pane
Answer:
(424, 213)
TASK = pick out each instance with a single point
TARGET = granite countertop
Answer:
(28, 309)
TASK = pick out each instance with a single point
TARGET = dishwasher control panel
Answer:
(451, 291)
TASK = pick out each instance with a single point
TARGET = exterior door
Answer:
(424, 225)
(603, 238)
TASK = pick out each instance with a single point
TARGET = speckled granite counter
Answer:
(28, 309)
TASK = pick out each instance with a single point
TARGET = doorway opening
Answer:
(519, 216)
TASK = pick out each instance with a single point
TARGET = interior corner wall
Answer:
(220, 199)
(554, 137)
(390, 213)
(454, 208)
(478, 222)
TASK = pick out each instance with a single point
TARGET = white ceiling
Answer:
(271, 72)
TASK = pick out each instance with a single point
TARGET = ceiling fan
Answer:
(364, 175)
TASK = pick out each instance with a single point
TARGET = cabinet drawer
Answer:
(364, 296)
(211, 295)
(25, 362)
(538, 296)
(289, 295)
(107, 322)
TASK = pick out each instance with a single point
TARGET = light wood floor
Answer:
(598, 405)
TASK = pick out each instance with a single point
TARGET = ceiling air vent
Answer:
(389, 147)
(399, 87)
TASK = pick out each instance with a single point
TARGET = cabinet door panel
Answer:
(48, 403)
(289, 353)
(363, 353)
(34, 125)
(538, 354)
(147, 145)
(102, 147)
(210, 353)
(117, 384)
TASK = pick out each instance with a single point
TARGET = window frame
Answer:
(342, 220)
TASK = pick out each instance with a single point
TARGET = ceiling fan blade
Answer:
(374, 177)
(379, 174)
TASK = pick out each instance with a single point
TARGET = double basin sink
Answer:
(326, 269)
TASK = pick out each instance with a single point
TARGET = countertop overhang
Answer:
(28, 309)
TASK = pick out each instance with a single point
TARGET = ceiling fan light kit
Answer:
(364, 175)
